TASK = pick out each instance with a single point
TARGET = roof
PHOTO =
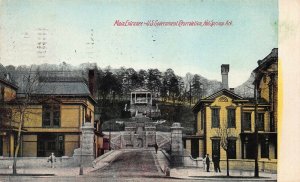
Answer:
(264, 64)
(141, 90)
(7, 82)
(212, 97)
(6, 78)
(224, 92)
(63, 88)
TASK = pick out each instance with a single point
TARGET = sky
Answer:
(79, 31)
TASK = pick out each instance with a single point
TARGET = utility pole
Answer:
(256, 171)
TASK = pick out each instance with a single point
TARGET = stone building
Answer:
(226, 114)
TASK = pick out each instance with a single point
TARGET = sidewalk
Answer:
(199, 173)
(67, 171)
(100, 162)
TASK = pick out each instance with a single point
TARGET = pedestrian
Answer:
(204, 162)
(156, 147)
(52, 159)
(207, 160)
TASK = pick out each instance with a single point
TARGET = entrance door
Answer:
(195, 148)
(216, 148)
(50, 143)
(250, 150)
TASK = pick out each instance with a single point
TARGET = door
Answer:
(216, 147)
(250, 150)
(50, 143)
(195, 148)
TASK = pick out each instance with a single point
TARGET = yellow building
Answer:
(226, 115)
(55, 112)
(8, 129)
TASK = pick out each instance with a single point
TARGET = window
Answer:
(231, 118)
(264, 149)
(215, 118)
(231, 147)
(51, 115)
(261, 123)
(202, 119)
(247, 121)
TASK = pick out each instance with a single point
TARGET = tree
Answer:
(189, 83)
(225, 135)
(196, 85)
(142, 78)
(109, 85)
(30, 86)
(154, 80)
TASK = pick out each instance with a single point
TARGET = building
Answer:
(227, 118)
(56, 108)
(8, 129)
(142, 102)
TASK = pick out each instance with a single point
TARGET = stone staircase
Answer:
(118, 140)
(163, 140)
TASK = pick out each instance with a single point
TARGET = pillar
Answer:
(176, 145)
(85, 154)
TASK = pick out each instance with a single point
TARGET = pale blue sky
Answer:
(184, 49)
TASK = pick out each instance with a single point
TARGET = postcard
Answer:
(146, 90)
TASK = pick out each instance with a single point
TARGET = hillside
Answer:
(247, 88)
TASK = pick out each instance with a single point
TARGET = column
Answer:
(176, 145)
(85, 154)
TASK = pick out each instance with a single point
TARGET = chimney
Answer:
(92, 82)
(224, 72)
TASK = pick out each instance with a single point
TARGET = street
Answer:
(132, 165)
(136, 163)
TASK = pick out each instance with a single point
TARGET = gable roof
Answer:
(213, 96)
(223, 92)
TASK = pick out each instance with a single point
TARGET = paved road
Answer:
(137, 166)
(131, 164)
